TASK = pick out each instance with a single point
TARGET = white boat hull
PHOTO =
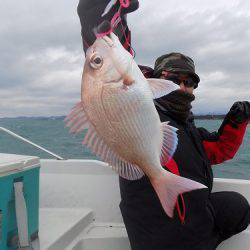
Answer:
(80, 204)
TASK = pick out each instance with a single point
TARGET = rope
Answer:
(115, 21)
(124, 3)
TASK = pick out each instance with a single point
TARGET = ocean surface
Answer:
(52, 134)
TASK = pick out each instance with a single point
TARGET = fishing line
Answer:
(115, 21)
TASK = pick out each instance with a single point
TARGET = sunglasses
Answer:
(179, 78)
(187, 80)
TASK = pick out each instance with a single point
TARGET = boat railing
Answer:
(31, 143)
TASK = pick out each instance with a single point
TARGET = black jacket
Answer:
(194, 225)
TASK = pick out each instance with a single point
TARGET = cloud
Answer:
(215, 34)
(41, 55)
(51, 86)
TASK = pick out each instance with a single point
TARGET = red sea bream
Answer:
(123, 125)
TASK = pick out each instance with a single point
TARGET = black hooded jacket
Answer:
(195, 224)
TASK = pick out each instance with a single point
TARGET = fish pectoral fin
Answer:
(98, 146)
(161, 87)
(77, 121)
(170, 142)
(168, 186)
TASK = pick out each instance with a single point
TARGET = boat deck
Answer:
(58, 227)
(76, 229)
(79, 208)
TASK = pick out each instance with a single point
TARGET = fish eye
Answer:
(96, 61)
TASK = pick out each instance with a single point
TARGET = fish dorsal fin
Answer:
(77, 119)
(170, 142)
(161, 87)
(98, 146)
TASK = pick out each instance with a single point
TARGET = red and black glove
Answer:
(238, 114)
(91, 17)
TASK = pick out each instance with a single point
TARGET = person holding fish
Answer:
(154, 145)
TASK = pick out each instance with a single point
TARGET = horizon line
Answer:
(59, 116)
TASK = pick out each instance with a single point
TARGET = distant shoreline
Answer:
(209, 117)
(197, 117)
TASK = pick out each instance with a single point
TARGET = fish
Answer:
(123, 126)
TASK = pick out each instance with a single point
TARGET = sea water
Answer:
(52, 134)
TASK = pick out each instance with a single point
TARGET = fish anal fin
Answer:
(161, 87)
(125, 169)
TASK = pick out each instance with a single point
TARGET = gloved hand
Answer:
(92, 13)
(115, 20)
(126, 5)
(133, 5)
(239, 112)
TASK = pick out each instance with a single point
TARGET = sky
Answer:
(41, 56)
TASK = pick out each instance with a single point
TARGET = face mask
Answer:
(177, 104)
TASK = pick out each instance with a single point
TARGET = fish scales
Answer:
(130, 120)
(124, 128)
(121, 116)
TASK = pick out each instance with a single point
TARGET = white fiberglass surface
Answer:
(93, 185)
(103, 244)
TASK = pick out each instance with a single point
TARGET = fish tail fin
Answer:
(169, 186)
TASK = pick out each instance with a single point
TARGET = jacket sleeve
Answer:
(147, 71)
(224, 144)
